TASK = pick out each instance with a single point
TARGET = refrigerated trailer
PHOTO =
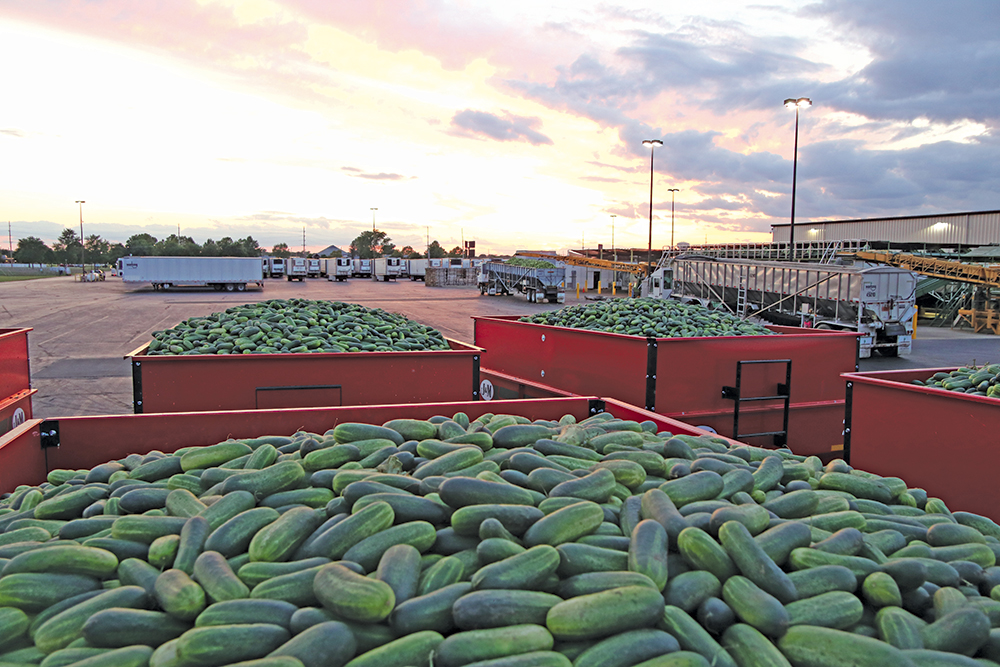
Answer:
(497, 278)
(222, 273)
(387, 268)
(339, 268)
(876, 301)
(362, 268)
(298, 268)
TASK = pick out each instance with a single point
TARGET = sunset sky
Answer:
(518, 124)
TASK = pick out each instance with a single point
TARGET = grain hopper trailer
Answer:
(497, 278)
(876, 301)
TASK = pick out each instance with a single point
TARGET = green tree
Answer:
(456, 252)
(116, 252)
(139, 245)
(209, 248)
(368, 245)
(97, 249)
(435, 251)
(414, 255)
(67, 247)
(281, 250)
(32, 250)
(248, 247)
(178, 246)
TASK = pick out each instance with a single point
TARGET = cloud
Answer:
(506, 128)
(11, 132)
(380, 176)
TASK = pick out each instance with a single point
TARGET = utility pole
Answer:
(303, 240)
(373, 219)
(83, 253)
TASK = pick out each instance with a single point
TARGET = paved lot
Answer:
(82, 331)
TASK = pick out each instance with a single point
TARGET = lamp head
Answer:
(652, 143)
(800, 103)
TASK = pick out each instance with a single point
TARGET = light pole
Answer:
(83, 253)
(652, 143)
(796, 104)
(613, 251)
(672, 191)
(373, 218)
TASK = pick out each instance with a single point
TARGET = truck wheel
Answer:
(165, 286)
(230, 287)
(241, 287)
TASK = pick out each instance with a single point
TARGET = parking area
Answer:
(82, 331)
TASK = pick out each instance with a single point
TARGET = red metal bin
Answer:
(198, 383)
(28, 452)
(939, 440)
(687, 378)
(15, 410)
(15, 371)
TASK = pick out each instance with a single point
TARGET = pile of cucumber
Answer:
(976, 380)
(495, 542)
(651, 318)
(297, 325)
(530, 263)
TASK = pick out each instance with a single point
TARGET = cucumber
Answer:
(692, 637)
(368, 551)
(647, 552)
(277, 541)
(233, 537)
(836, 609)
(825, 647)
(628, 648)
(213, 646)
(823, 579)
(66, 559)
(749, 648)
(412, 650)
(119, 627)
(779, 541)
(471, 646)
(496, 608)
(524, 571)
(178, 595)
(458, 492)
(352, 596)
(704, 485)
(608, 612)
(702, 552)
(961, 631)
(330, 643)
(688, 590)
(235, 612)
(217, 579)
(517, 519)
(564, 525)
(63, 628)
(337, 540)
(34, 592)
(755, 606)
(399, 567)
(899, 628)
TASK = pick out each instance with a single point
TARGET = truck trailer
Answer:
(387, 268)
(362, 268)
(222, 273)
(877, 301)
(497, 278)
(274, 267)
(298, 268)
(339, 268)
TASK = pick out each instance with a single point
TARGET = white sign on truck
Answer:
(221, 273)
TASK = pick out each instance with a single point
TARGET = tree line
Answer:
(96, 250)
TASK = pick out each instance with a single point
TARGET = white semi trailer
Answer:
(222, 273)
(387, 268)
(877, 301)
(339, 268)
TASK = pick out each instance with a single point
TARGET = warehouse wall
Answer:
(974, 228)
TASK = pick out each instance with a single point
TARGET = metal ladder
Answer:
(782, 393)
(741, 295)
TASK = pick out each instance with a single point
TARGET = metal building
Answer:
(955, 230)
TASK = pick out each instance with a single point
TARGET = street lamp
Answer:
(672, 191)
(83, 255)
(652, 143)
(790, 103)
(613, 251)
(373, 218)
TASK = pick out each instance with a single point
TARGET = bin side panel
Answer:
(15, 410)
(246, 382)
(574, 360)
(944, 444)
(22, 459)
(692, 371)
(15, 374)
